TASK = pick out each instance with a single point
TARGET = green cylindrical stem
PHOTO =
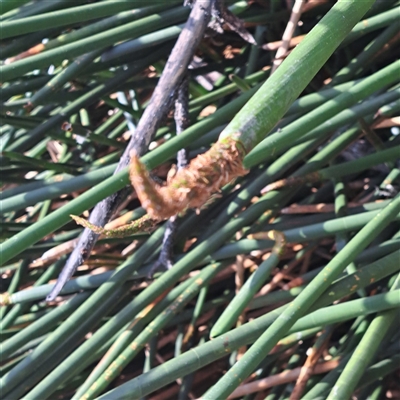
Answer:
(361, 164)
(302, 303)
(343, 169)
(268, 106)
(41, 326)
(290, 133)
(56, 189)
(88, 98)
(87, 315)
(249, 289)
(304, 234)
(130, 333)
(151, 330)
(380, 370)
(67, 16)
(7, 5)
(359, 62)
(219, 347)
(69, 73)
(216, 349)
(364, 352)
(100, 40)
(372, 24)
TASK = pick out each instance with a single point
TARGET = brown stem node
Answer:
(191, 187)
(5, 299)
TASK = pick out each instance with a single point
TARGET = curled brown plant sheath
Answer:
(191, 187)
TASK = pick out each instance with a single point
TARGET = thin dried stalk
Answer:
(307, 369)
(315, 208)
(279, 379)
(292, 181)
(288, 34)
(143, 224)
(273, 46)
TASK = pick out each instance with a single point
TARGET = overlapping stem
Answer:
(251, 287)
(105, 325)
(245, 334)
(302, 303)
(337, 171)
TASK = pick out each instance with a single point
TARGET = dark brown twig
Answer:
(159, 105)
(222, 14)
(181, 117)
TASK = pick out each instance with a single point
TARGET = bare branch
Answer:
(155, 112)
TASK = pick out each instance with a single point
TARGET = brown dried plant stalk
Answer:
(293, 181)
(190, 187)
(143, 224)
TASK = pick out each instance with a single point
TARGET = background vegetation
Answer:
(292, 269)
